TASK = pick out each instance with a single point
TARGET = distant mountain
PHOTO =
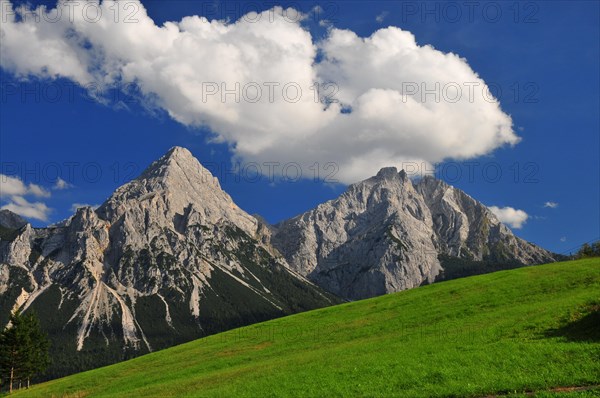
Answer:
(10, 220)
(168, 258)
(386, 234)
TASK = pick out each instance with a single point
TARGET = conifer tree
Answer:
(37, 356)
(14, 346)
(23, 349)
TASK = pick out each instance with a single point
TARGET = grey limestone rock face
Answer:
(386, 234)
(8, 219)
(466, 228)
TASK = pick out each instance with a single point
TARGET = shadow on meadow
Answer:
(582, 325)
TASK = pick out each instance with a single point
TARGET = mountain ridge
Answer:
(393, 234)
(169, 257)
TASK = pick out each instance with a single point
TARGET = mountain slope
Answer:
(387, 234)
(10, 220)
(528, 329)
(167, 258)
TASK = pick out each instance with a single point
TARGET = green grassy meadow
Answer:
(519, 333)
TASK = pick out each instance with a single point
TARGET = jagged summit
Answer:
(178, 155)
(387, 172)
(389, 233)
(176, 184)
(179, 163)
(391, 173)
(179, 151)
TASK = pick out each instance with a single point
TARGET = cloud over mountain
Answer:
(12, 192)
(382, 100)
(512, 217)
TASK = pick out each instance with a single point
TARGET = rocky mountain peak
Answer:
(181, 157)
(8, 219)
(389, 173)
(180, 152)
(177, 165)
(175, 185)
(388, 233)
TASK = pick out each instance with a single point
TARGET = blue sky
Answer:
(541, 60)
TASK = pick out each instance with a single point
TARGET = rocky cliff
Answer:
(386, 234)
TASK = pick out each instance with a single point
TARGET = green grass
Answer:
(512, 333)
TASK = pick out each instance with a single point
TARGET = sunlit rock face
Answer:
(387, 233)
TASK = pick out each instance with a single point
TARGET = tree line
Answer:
(588, 250)
(23, 351)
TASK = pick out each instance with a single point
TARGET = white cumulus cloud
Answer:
(253, 83)
(22, 207)
(512, 217)
(12, 192)
(552, 205)
(10, 186)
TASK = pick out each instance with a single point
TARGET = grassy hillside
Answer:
(523, 330)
